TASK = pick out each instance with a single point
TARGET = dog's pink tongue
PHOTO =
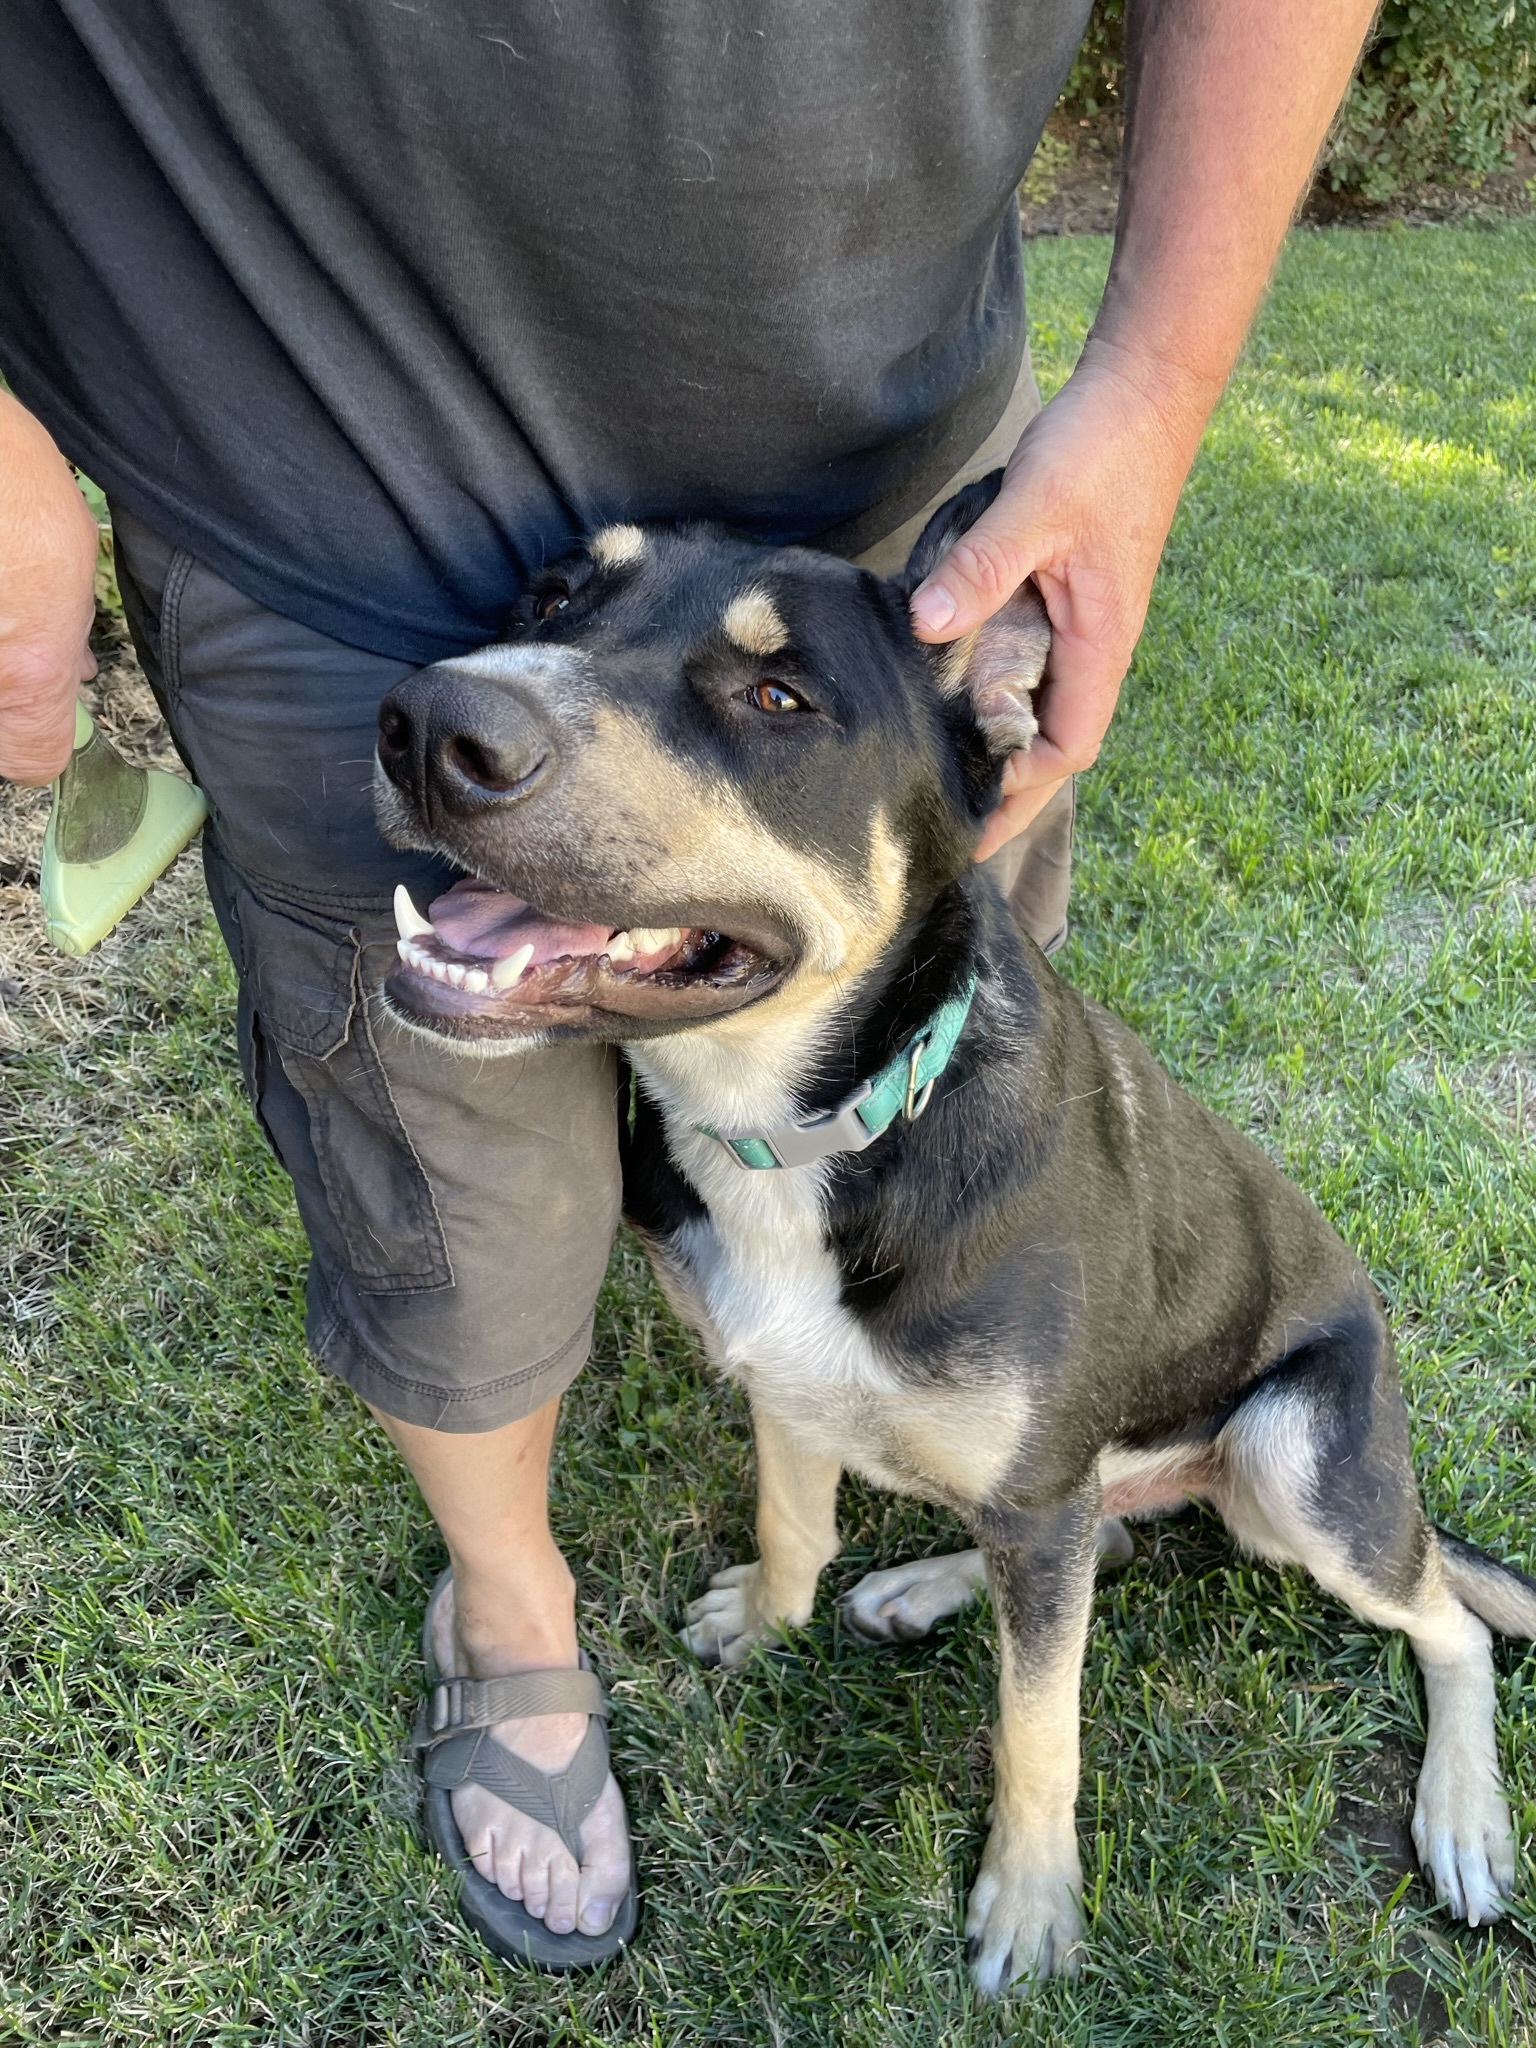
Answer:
(476, 919)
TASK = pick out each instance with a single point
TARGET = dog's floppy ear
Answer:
(1001, 664)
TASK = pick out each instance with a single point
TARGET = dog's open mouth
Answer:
(485, 964)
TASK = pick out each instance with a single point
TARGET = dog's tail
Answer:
(1499, 1594)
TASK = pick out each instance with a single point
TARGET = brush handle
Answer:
(99, 800)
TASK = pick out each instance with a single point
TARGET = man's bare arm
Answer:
(1228, 104)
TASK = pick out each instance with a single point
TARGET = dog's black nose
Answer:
(455, 744)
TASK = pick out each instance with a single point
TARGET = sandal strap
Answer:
(456, 1703)
(560, 1800)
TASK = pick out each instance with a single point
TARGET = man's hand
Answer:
(1085, 507)
(1228, 102)
(48, 543)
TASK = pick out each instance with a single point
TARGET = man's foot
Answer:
(524, 1859)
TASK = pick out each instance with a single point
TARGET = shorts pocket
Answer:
(304, 980)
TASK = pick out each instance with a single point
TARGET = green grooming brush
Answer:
(113, 830)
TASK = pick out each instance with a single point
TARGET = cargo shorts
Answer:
(459, 1211)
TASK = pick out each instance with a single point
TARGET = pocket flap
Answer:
(302, 981)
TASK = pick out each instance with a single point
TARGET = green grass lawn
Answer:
(1307, 875)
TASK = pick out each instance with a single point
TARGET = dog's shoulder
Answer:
(1074, 1215)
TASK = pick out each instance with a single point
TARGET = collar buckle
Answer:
(899, 1089)
(808, 1140)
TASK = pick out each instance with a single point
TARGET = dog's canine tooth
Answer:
(476, 981)
(408, 919)
(621, 947)
(658, 939)
(509, 972)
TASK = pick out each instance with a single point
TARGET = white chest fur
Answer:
(769, 1296)
(759, 1281)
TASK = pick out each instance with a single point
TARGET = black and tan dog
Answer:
(946, 1221)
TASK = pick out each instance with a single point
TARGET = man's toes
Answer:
(536, 1885)
(529, 1863)
(594, 1911)
(496, 1863)
(559, 1914)
(605, 1862)
(507, 1870)
(597, 1898)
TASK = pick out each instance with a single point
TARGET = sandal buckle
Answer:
(447, 1705)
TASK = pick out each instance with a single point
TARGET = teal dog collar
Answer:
(901, 1088)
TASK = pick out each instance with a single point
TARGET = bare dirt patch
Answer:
(1074, 189)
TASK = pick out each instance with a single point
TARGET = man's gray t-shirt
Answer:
(374, 304)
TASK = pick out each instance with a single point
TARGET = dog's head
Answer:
(696, 774)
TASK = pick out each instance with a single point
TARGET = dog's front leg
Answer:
(796, 1536)
(1024, 1919)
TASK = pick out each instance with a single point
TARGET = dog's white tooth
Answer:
(657, 939)
(403, 948)
(621, 947)
(456, 974)
(476, 981)
(438, 969)
(408, 919)
(509, 972)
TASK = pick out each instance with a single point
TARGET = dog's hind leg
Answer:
(1024, 1920)
(1315, 1469)
(796, 1537)
(904, 1601)
(901, 1603)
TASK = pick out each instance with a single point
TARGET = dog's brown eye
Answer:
(552, 601)
(773, 697)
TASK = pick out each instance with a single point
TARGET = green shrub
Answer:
(1443, 92)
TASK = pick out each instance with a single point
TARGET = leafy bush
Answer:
(1444, 90)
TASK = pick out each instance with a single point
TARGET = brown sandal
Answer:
(455, 1748)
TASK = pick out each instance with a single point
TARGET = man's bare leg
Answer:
(512, 1609)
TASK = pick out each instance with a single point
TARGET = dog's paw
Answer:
(1024, 1925)
(1462, 1831)
(899, 1605)
(1114, 1545)
(726, 1624)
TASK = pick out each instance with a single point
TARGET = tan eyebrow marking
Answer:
(617, 547)
(752, 621)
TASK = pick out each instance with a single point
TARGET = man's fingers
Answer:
(1013, 814)
(36, 743)
(1073, 708)
(980, 573)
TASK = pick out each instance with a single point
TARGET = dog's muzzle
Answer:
(459, 746)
